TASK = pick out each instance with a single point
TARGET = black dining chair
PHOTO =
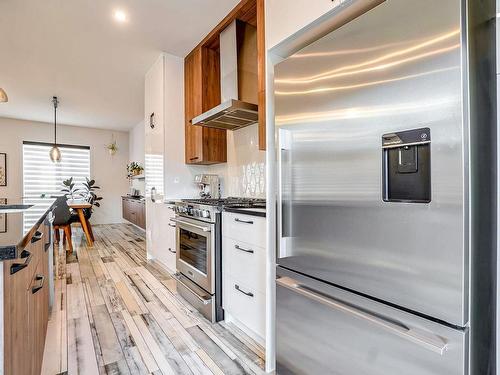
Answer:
(63, 218)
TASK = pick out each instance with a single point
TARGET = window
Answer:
(42, 176)
(154, 173)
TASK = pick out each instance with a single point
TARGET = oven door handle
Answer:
(182, 222)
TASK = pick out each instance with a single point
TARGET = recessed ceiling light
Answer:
(120, 16)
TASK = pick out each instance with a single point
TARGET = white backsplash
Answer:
(244, 174)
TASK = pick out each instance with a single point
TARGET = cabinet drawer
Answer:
(250, 229)
(245, 262)
(246, 304)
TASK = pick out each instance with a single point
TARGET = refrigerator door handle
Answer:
(437, 345)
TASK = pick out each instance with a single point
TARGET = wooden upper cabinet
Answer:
(202, 92)
(202, 86)
(261, 66)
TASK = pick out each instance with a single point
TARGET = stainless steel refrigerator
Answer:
(378, 269)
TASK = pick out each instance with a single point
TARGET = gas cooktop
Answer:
(230, 202)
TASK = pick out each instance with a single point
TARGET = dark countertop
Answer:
(247, 211)
(16, 237)
(139, 199)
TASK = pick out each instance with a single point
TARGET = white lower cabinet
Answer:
(161, 244)
(244, 272)
(245, 262)
(247, 305)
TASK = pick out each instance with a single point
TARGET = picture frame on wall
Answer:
(3, 169)
(3, 218)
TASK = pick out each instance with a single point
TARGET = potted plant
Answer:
(70, 189)
(134, 169)
(112, 148)
(89, 191)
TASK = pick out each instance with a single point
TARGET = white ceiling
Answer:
(74, 49)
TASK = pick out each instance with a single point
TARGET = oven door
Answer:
(194, 251)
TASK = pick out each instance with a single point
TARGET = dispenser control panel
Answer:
(406, 166)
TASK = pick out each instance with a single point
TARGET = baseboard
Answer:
(231, 319)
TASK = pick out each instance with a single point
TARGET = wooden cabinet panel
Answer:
(202, 85)
(26, 310)
(134, 211)
(261, 66)
(38, 294)
(193, 106)
(16, 320)
(202, 92)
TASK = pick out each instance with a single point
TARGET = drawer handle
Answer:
(243, 221)
(172, 225)
(237, 247)
(41, 279)
(16, 267)
(195, 158)
(237, 287)
(36, 237)
(172, 251)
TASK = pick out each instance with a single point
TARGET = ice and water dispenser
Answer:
(406, 164)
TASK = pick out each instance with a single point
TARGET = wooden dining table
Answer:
(79, 205)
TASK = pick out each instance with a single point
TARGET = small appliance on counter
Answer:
(209, 185)
(134, 193)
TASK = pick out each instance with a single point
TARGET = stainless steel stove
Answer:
(199, 250)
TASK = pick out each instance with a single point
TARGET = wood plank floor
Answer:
(115, 312)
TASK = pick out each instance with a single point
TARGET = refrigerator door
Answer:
(321, 329)
(392, 70)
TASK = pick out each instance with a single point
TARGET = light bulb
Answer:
(55, 154)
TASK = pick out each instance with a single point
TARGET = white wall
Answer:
(244, 173)
(136, 143)
(136, 152)
(285, 17)
(108, 171)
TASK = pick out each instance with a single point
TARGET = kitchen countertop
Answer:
(247, 211)
(140, 199)
(15, 239)
(253, 211)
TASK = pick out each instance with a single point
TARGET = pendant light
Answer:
(55, 153)
(3, 96)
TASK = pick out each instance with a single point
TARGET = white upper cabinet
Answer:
(154, 126)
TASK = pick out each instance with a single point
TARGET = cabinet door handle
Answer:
(16, 267)
(237, 247)
(243, 221)
(172, 251)
(36, 237)
(237, 287)
(40, 279)
(172, 225)
(195, 158)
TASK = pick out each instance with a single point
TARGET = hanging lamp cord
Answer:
(55, 101)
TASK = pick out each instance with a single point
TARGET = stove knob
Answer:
(205, 213)
(196, 212)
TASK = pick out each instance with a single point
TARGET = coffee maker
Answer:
(209, 185)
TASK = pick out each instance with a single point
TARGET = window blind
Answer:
(154, 173)
(42, 176)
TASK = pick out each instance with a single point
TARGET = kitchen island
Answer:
(26, 284)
